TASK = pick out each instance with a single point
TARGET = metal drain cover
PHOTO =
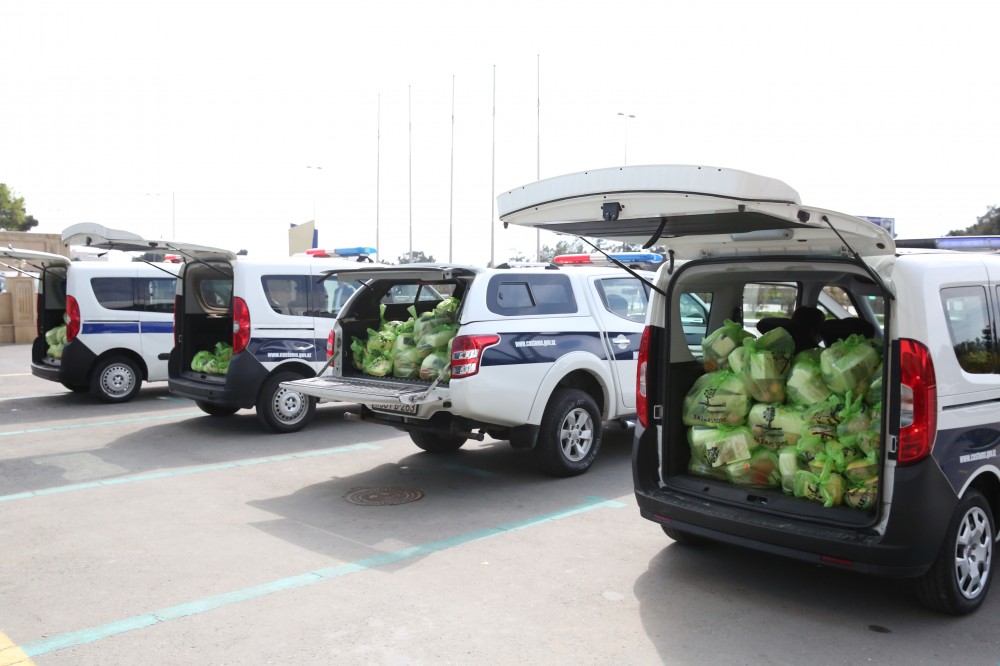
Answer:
(384, 496)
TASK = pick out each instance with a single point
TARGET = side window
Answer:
(115, 293)
(412, 293)
(695, 308)
(518, 295)
(625, 297)
(326, 298)
(967, 311)
(287, 294)
(767, 299)
(158, 294)
(216, 293)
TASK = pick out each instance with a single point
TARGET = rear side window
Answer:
(135, 294)
(287, 294)
(518, 295)
(968, 314)
(625, 297)
(216, 293)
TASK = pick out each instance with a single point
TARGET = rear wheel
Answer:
(213, 409)
(570, 435)
(115, 379)
(959, 579)
(281, 409)
(434, 443)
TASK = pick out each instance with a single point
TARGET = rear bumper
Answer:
(908, 546)
(73, 368)
(237, 388)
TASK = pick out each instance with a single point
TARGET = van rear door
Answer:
(696, 212)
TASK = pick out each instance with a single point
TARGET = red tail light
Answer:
(73, 312)
(331, 343)
(466, 352)
(640, 380)
(241, 325)
(918, 398)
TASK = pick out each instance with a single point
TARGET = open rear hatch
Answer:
(695, 212)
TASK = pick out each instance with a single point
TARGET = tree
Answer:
(12, 215)
(987, 225)
(418, 257)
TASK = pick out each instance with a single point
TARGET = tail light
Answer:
(466, 352)
(918, 402)
(641, 409)
(331, 343)
(241, 325)
(73, 325)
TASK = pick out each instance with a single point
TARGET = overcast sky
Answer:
(198, 119)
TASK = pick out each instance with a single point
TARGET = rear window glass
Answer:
(625, 297)
(967, 312)
(516, 295)
(216, 293)
(115, 293)
(408, 294)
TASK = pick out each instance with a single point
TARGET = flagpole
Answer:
(378, 171)
(538, 144)
(451, 192)
(409, 122)
(493, 172)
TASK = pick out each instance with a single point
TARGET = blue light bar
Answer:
(647, 257)
(353, 251)
(969, 243)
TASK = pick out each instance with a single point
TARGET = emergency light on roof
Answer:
(340, 252)
(597, 259)
(968, 243)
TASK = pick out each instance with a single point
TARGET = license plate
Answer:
(395, 407)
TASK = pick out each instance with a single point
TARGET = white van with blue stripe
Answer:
(259, 322)
(112, 322)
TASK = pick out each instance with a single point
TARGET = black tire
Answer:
(434, 443)
(76, 388)
(960, 577)
(684, 538)
(570, 435)
(115, 379)
(281, 410)
(213, 409)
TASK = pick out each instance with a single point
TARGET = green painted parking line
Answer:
(74, 426)
(93, 634)
(186, 471)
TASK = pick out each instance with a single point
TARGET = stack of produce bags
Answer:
(808, 424)
(213, 362)
(56, 339)
(418, 348)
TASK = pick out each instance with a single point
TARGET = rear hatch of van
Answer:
(707, 458)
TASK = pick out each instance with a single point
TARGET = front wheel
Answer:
(959, 579)
(115, 379)
(433, 443)
(282, 410)
(213, 409)
(570, 435)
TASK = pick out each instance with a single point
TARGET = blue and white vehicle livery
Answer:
(543, 356)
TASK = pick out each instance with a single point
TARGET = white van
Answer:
(243, 326)
(112, 322)
(875, 448)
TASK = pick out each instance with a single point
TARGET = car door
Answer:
(620, 304)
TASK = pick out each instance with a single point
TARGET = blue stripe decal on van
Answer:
(536, 347)
(98, 328)
(157, 327)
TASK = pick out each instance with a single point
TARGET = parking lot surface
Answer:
(151, 533)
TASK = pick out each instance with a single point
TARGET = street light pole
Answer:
(626, 117)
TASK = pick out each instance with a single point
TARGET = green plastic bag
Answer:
(762, 364)
(718, 344)
(850, 364)
(720, 446)
(760, 471)
(717, 398)
(775, 425)
(805, 384)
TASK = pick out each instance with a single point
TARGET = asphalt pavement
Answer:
(150, 533)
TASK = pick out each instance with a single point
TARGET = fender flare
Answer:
(566, 365)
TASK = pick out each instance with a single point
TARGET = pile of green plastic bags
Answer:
(213, 362)
(418, 348)
(809, 424)
(56, 339)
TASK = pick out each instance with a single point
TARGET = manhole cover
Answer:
(386, 496)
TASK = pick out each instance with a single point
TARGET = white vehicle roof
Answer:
(695, 211)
